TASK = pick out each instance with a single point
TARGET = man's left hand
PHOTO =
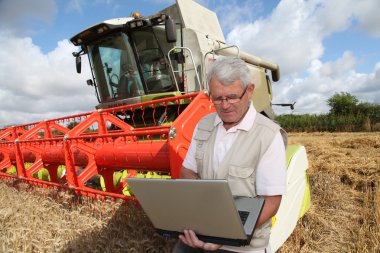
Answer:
(190, 239)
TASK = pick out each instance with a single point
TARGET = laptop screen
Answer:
(205, 206)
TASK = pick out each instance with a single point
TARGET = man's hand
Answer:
(186, 173)
(190, 239)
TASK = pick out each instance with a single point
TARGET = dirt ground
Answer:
(344, 171)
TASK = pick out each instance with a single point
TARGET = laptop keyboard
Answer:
(243, 216)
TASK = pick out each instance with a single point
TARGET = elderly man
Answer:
(238, 144)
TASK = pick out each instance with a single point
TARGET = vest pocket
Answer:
(241, 181)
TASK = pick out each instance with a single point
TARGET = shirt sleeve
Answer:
(271, 170)
(189, 162)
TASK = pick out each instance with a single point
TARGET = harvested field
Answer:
(344, 170)
(30, 222)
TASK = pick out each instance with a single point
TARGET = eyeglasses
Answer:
(232, 99)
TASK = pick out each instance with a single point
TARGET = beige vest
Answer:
(239, 164)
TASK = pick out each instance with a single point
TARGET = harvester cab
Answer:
(139, 59)
(128, 58)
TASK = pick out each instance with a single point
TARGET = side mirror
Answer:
(78, 63)
(171, 35)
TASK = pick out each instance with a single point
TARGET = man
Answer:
(241, 145)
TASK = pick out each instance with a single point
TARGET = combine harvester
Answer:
(149, 77)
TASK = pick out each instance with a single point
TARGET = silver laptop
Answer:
(205, 206)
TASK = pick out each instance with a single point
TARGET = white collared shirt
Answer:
(271, 170)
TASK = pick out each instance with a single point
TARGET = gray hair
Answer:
(228, 70)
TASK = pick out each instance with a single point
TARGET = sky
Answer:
(323, 47)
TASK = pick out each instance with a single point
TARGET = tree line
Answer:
(346, 114)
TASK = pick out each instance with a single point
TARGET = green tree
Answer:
(72, 124)
(342, 103)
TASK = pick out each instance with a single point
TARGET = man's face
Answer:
(230, 113)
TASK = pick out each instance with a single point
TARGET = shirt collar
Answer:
(245, 124)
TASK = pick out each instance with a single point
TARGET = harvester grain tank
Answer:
(149, 78)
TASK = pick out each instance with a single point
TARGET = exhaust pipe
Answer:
(254, 60)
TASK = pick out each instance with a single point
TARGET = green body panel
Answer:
(306, 203)
(290, 151)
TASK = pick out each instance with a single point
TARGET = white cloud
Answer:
(339, 68)
(339, 15)
(290, 34)
(37, 86)
(367, 12)
(295, 30)
(18, 15)
(324, 80)
(75, 6)
(293, 37)
(235, 11)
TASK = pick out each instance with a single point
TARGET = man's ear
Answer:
(251, 88)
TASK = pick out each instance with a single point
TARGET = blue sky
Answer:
(74, 16)
(357, 41)
(322, 47)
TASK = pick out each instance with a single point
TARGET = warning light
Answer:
(136, 15)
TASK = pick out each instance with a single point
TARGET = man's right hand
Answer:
(187, 173)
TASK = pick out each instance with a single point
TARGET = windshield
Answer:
(128, 65)
(152, 49)
(114, 67)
